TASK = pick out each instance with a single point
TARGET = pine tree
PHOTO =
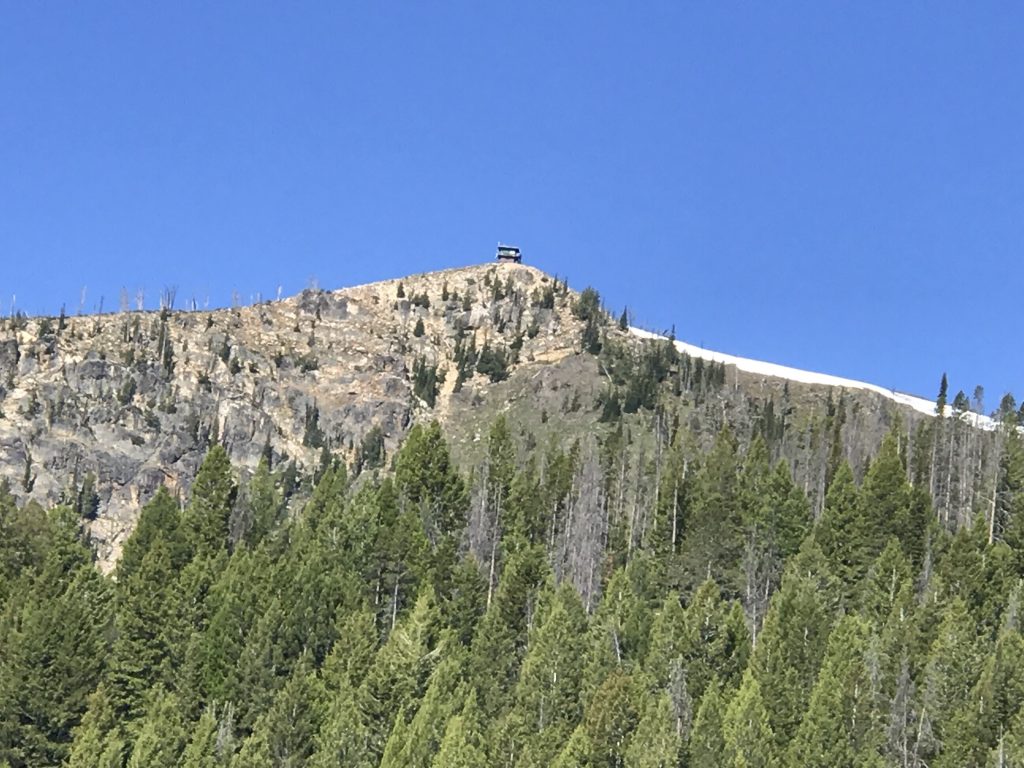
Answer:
(144, 651)
(205, 521)
(422, 737)
(500, 642)
(885, 581)
(838, 730)
(940, 401)
(669, 642)
(346, 739)
(401, 668)
(712, 542)
(283, 735)
(749, 741)
(211, 743)
(98, 741)
(158, 519)
(576, 752)
(656, 743)
(259, 510)
(609, 719)
(789, 651)
(993, 701)
(547, 697)
(161, 738)
(53, 643)
(950, 672)
(353, 651)
(715, 639)
(1008, 522)
(841, 531)
(887, 502)
(1009, 751)
(664, 535)
(426, 477)
(707, 742)
(618, 631)
(464, 744)
(778, 516)
(26, 537)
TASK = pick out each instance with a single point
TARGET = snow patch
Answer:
(774, 370)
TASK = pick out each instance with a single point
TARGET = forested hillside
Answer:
(469, 519)
(413, 614)
(100, 411)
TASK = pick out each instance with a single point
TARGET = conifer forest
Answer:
(426, 617)
(642, 593)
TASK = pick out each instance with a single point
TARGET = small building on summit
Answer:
(509, 253)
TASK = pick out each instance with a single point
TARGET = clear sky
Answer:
(834, 186)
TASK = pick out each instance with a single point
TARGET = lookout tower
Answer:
(509, 254)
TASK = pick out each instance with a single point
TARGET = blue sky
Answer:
(834, 186)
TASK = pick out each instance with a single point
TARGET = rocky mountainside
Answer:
(99, 411)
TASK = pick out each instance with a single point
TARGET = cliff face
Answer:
(135, 398)
(116, 405)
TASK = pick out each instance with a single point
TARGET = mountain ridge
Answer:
(117, 405)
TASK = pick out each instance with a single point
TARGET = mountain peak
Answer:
(108, 408)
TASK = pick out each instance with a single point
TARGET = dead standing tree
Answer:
(581, 546)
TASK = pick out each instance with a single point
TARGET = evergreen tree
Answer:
(24, 538)
(884, 499)
(885, 582)
(427, 478)
(1009, 750)
(144, 651)
(838, 729)
(841, 532)
(400, 670)
(950, 673)
(161, 738)
(940, 401)
(712, 541)
(576, 752)
(994, 700)
(707, 742)
(99, 741)
(346, 738)
(618, 631)
(749, 741)
(159, 519)
(205, 521)
(1008, 522)
(789, 652)
(210, 744)
(656, 743)
(609, 720)
(547, 697)
(283, 735)
(464, 744)
(500, 642)
(52, 650)
(778, 516)
(421, 737)
(715, 641)
(669, 642)
(260, 508)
